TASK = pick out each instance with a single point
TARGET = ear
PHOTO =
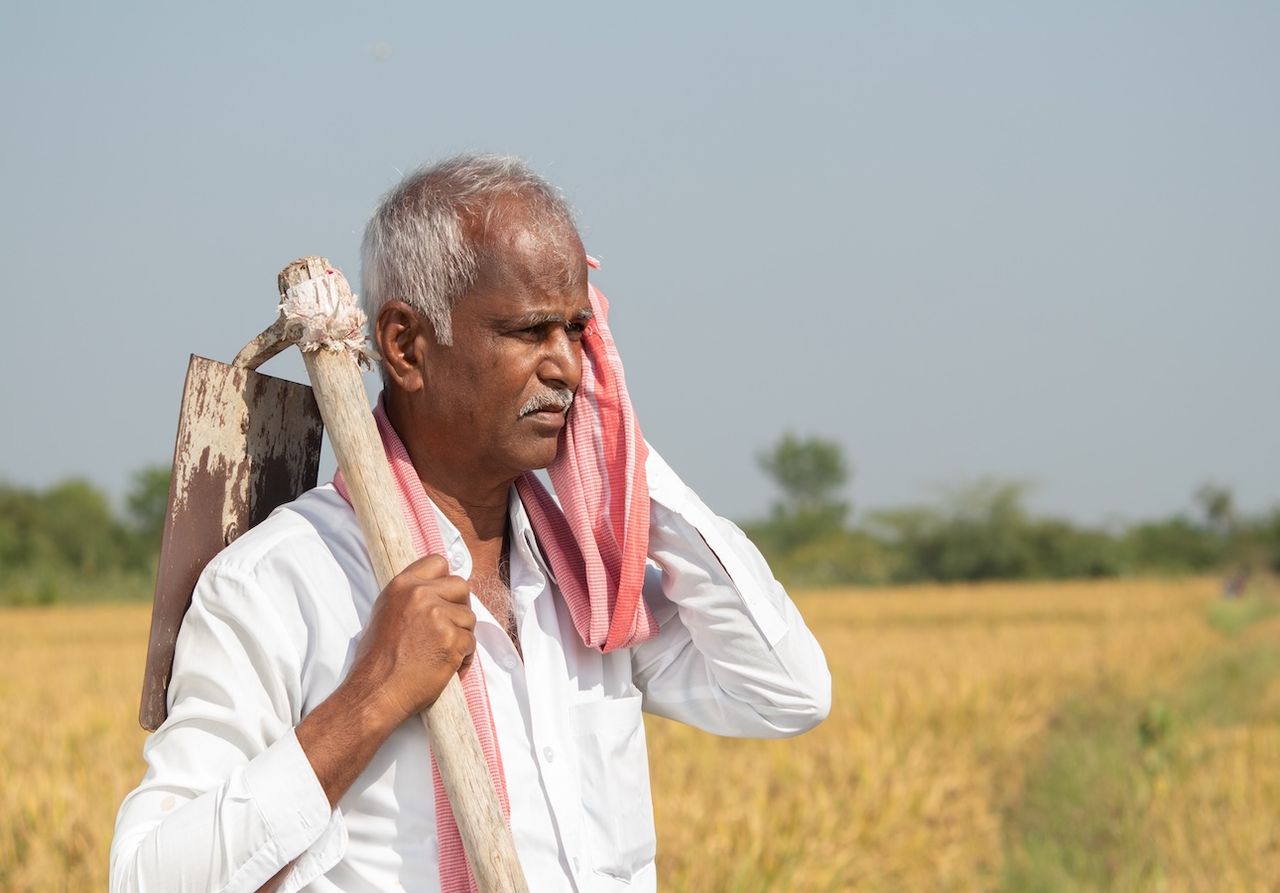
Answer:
(403, 337)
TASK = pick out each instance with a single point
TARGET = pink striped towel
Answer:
(596, 546)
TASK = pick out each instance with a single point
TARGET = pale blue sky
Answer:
(992, 238)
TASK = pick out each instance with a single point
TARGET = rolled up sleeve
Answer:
(229, 797)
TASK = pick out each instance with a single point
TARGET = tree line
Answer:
(984, 531)
(68, 541)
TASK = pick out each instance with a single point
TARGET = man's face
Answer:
(496, 398)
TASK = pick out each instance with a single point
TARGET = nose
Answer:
(561, 364)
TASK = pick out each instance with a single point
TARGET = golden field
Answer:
(1053, 736)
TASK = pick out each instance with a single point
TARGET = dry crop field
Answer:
(1120, 735)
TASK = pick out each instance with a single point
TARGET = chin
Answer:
(544, 460)
(536, 456)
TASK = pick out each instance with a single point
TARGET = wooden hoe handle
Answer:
(339, 391)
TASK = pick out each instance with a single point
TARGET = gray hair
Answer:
(418, 246)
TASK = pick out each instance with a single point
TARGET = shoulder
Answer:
(307, 547)
(314, 520)
(277, 609)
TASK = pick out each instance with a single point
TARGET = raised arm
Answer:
(734, 656)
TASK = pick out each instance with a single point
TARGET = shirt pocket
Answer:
(616, 801)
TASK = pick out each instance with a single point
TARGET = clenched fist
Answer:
(421, 631)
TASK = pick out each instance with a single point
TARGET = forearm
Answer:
(343, 733)
(420, 632)
(248, 833)
(233, 837)
(229, 797)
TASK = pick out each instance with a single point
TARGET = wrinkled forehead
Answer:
(521, 243)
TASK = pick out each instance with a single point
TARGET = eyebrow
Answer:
(542, 318)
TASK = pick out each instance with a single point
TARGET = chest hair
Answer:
(493, 588)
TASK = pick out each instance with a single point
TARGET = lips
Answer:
(545, 411)
(551, 418)
(551, 402)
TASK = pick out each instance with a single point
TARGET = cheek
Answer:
(514, 367)
(502, 380)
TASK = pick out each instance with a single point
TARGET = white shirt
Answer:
(229, 796)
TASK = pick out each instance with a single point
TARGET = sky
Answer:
(1034, 241)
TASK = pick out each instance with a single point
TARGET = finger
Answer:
(461, 645)
(462, 617)
(428, 567)
(452, 589)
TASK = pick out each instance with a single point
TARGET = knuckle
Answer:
(466, 639)
(461, 641)
(451, 589)
(435, 566)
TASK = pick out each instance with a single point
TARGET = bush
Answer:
(1174, 545)
(65, 543)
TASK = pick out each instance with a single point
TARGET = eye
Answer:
(530, 333)
(575, 330)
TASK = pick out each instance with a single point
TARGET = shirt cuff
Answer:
(296, 810)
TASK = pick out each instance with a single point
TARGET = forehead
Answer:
(528, 259)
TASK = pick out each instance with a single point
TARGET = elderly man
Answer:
(289, 760)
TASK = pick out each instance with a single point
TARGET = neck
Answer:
(474, 503)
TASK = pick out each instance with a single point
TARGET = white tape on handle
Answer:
(321, 312)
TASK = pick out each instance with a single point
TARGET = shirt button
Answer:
(548, 754)
(509, 662)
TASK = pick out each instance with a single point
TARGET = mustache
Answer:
(559, 398)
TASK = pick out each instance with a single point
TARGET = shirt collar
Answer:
(526, 554)
(524, 543)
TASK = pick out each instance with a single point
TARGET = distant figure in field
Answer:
(1237, 582)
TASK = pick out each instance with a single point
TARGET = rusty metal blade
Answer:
(246, 443)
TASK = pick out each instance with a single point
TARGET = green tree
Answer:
(79, 528)
(22, 543)
(1173, 545)
(148, 502)
(1268, 535)
(810, 472)
(1218, 506)
(981, 531)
